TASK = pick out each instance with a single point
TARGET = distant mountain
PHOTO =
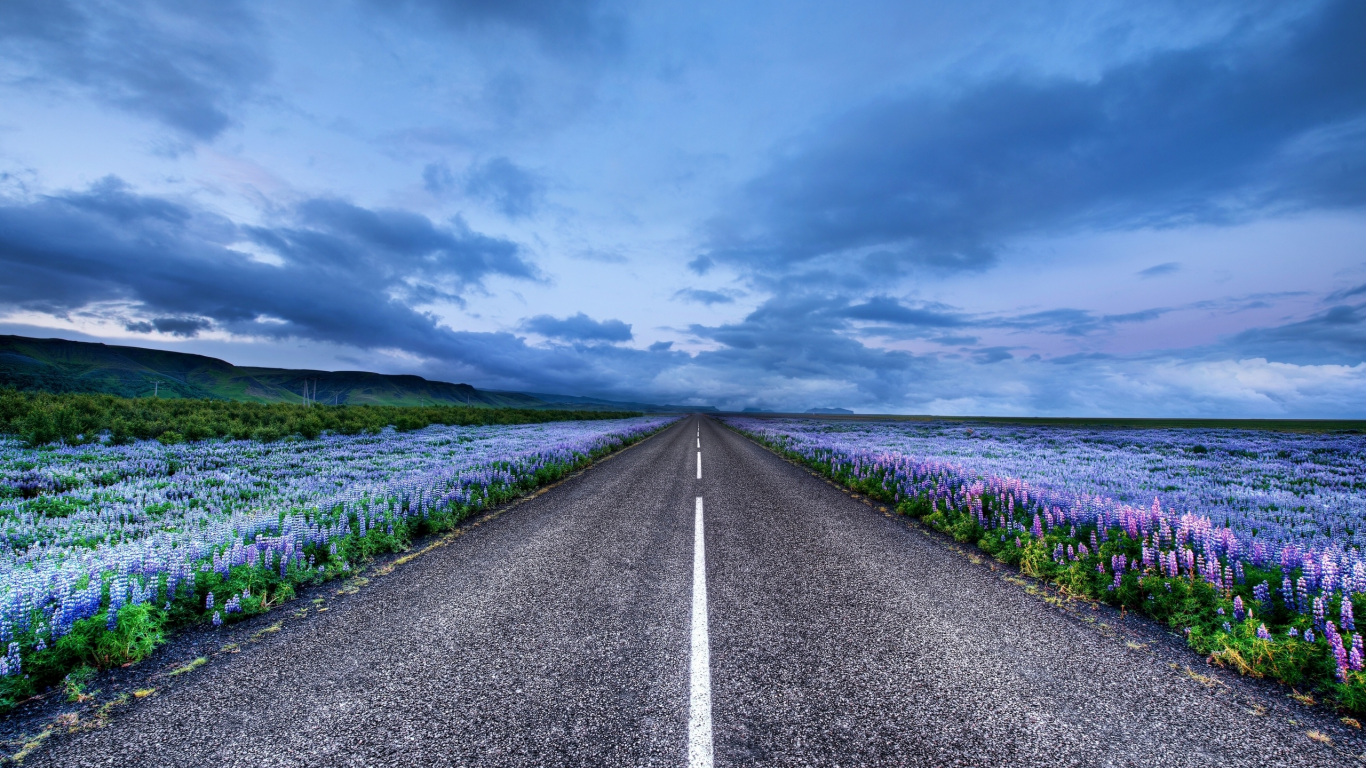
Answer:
(58, 365)
(836, 411)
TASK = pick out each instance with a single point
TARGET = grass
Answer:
(43, 418)
(190, 667)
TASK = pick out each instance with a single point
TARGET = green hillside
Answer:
(58, 365)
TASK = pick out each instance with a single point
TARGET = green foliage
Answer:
(75, 683)
(43, 418)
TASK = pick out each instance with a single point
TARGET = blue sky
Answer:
(1050, 208)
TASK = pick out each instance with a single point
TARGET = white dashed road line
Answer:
(699, 465)
(699, 710)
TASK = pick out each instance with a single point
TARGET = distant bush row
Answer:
(42, 418)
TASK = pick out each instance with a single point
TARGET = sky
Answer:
(1085, 208)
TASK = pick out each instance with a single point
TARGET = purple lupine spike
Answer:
(1348, 620)
(1262, 593)
(1309, 636)
(1238, 611)
(1334, 639)
(217, 619)
(1262, 632)
(208, 602)
(1355, 658)
(1318, 612)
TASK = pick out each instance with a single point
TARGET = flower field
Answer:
(1248, 542)
(104, 547)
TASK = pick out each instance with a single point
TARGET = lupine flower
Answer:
(1348, 620)
(1262, 593)
(217, 619)
(1262, 632)
(208, 602)
(1309, 636)
(1238, 611)
(1355, 658)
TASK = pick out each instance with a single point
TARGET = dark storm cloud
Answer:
(511, 189)
(348, 275)
(579, 327)
(184, 327)
(186, 65)
(1253, 122)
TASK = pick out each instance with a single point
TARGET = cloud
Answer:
(887, 310)
(579, 327)
(184, 327)
(989, 355)
(345, 274)
(1158, 270)
(928, 319)
(1255, 121)
(438, 179)
(702, 296)
(661, 346)
(1073, 322)
(188, 66)
(511, 189)
(1337, 335)
(1347, 293)
(564, 27)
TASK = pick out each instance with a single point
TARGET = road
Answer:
(576, 629)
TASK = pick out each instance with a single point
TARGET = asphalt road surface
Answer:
(588, 627)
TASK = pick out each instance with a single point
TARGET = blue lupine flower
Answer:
(1262, 594)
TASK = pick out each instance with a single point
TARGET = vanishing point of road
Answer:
(695, 601)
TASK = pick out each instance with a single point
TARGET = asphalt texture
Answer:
(558, 634)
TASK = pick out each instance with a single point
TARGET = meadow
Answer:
(106, 546)
(39, 418)
(1249, 543)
